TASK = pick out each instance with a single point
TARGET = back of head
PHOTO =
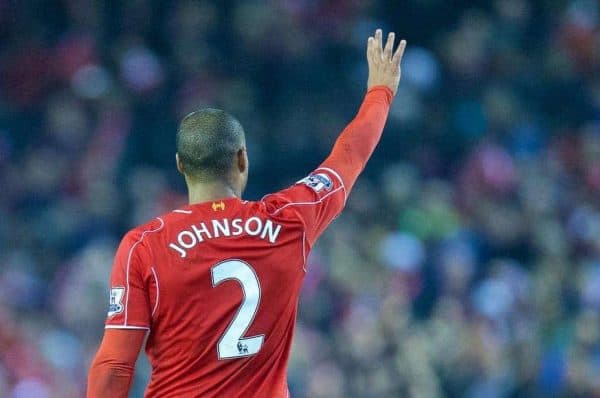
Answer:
(207, 142)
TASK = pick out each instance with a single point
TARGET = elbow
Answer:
(109, 378)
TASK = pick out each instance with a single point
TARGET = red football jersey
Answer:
(217, 283)
(217, 286)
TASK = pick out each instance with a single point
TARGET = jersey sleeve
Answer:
(316, 199)
(129, 304)
(321, 196)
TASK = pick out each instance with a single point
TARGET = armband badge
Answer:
(115, 305)
(318, 182)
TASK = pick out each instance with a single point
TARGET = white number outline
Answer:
(227, 331)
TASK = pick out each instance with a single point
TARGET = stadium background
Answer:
(467, 263)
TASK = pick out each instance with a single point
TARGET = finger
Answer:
(378, 43)
(370, 44)
(389, 45)
(399, 52)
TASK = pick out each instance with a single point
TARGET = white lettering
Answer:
(219, 228)
(273, 233)
(178, 249)
(253, 226)
(258, 226)
(182, 243)
(200, 231)
(237, 224)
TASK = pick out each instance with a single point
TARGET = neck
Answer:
(209, 191)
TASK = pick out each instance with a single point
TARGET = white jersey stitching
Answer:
(162, 224)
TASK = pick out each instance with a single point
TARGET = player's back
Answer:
(217, 286)
(217, 283)
(223, 283)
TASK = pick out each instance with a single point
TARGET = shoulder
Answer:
(137, 238)
(317, 188)
(139, 232)
(280, 206)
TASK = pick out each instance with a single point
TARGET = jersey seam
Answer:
(336, 174)
(162, 224)
(299, 217)
(302, 220)
(304, 250)
(182, 211)
(277, 210)
(125, 327)
(305, 203)
(157, 291)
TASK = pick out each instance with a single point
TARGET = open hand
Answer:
(384, 64)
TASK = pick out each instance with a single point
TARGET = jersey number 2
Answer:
(232, 344)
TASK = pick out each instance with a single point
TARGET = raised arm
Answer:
(356, 143)
(319, 197)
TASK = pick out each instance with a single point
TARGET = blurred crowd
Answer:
(467, 262)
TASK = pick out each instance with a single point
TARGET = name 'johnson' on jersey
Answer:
(217, 286)
(224, 227)
(214, 286)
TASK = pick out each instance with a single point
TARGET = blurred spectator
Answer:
(467, 263)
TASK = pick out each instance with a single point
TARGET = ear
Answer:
(179, 165)
(242, 160)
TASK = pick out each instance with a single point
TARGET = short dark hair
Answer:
(207, 141)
